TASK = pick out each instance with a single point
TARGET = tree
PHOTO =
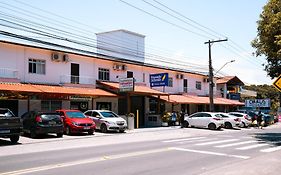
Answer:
(268, 40)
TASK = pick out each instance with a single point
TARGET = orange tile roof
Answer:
(138, 89)
(192, 99)
(19, 87)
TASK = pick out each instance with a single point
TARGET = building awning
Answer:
(143, 90)
(192, 99)
(32, 88)
(230, 80)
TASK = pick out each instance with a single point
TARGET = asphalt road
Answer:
(169, 151)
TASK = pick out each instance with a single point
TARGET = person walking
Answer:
(259, 119)
(182, 119)
(174, 118)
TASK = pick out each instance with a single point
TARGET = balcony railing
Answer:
(76, 79)
(9, 73)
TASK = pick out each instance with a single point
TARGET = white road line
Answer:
(268, 150)
(210, 153)
(201, 140)
(252, 146)
(236, 144)
(216, 142)
(186, 139)
(85, 161)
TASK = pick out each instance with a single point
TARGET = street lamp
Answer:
(223, 66)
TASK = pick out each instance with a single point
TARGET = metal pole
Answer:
(211, 76)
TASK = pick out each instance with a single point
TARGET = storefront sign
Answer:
(126, 84)
(159, 79)
(258, 103)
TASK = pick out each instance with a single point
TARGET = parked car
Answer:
(205, 120)
(76, 122)
(36, 123)
(107, 120)
(10, 125)
(246, 121)
(230, 121)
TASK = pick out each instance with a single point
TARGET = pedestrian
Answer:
(182, 119)
(174, 118)
(259, 119)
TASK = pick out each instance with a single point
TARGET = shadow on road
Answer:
(7, 143)
(270, 138)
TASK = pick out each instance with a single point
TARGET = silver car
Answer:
(107, 120)
(245, 119)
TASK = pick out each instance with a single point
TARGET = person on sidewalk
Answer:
(174, 118)
(182, 119)
(259, 119)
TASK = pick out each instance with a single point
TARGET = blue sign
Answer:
(161, 79)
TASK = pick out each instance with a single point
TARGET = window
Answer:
(185, 85)
(50, 105)
(130, 74)
(36, 66)
(152, 106)
(198, 85)
(103, 74)
(170, 82)
(143, 77)
(104, 106)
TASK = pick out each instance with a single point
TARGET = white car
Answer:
(245, 119)
(107, 120)
(230, 121)
(204, 120)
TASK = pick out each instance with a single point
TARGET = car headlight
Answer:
(75, 124)
(111, 123)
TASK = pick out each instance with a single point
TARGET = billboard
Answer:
(265, 103)
(160, 79)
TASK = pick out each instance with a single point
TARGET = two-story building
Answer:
(44, 76)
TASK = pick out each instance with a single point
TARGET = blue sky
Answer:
(234, 19)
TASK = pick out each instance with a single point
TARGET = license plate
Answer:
(52, 122)
(5, 131)
(87, 127)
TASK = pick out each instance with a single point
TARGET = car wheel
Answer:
(212, 126)
(228, 125)
(14, 139)
(67, 131)
(185, 124)
(59, 134)
(243, 125)
(121, 131)
(91, 132)
(33, 134)
(103, 128)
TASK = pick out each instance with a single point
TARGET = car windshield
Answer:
(6, 113)
(224, 116)
(75, 114)
(109, 115)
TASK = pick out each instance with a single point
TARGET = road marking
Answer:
(236, 144)
(216, 142)
(186, 139)
(210, 153)
(201, 140)
(85, 161)
(252, 146)
(268, 150)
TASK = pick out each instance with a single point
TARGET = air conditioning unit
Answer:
(65, 58)
(179, 76)
(124, 67)
(55, 57)
(205, 80)
(119, 67)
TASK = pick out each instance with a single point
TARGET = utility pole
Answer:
(211, 75)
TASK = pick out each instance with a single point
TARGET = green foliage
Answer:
(268, 40)
(266, 91)
(166, 117)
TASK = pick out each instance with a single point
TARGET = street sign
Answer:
(277, 83)
(126, 84)
(257, 103)
(161, 79)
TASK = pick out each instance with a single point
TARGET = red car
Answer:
(76, 122)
